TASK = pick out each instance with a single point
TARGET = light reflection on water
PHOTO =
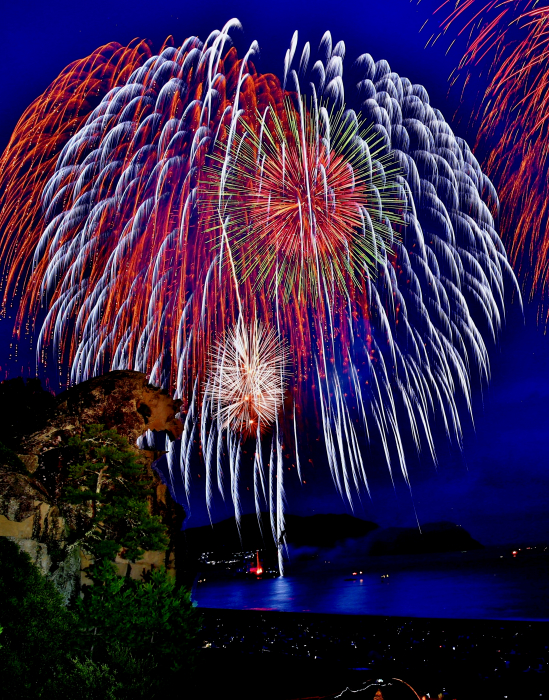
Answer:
(471, 590)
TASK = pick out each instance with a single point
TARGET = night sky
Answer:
(498, 486)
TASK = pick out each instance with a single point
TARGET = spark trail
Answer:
(509, 42)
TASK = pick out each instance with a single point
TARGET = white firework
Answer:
(247, 378)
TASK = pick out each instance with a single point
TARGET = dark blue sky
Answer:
(499, 487)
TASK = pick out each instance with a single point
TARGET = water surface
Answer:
(456, 585)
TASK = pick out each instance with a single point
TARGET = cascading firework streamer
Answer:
(235, 235)
(508, 44)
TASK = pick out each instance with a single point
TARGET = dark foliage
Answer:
(9, 461)
(22, 406)
(126, 639)
(150, 624)
(37, 630)
(110, 486)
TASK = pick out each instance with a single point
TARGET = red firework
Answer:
(514, 126)
(30, 157)
(299, 196)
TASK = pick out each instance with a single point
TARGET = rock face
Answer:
(122, 399)
(29, 487)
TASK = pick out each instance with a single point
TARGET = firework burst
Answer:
(247, 378)
(302, 195)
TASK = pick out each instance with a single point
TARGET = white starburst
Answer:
(247, 378)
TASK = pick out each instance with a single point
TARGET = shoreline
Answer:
(396, 619)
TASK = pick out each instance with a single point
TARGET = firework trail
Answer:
(354, 266)
(513, 39)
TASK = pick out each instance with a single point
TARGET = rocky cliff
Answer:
(34, 424)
